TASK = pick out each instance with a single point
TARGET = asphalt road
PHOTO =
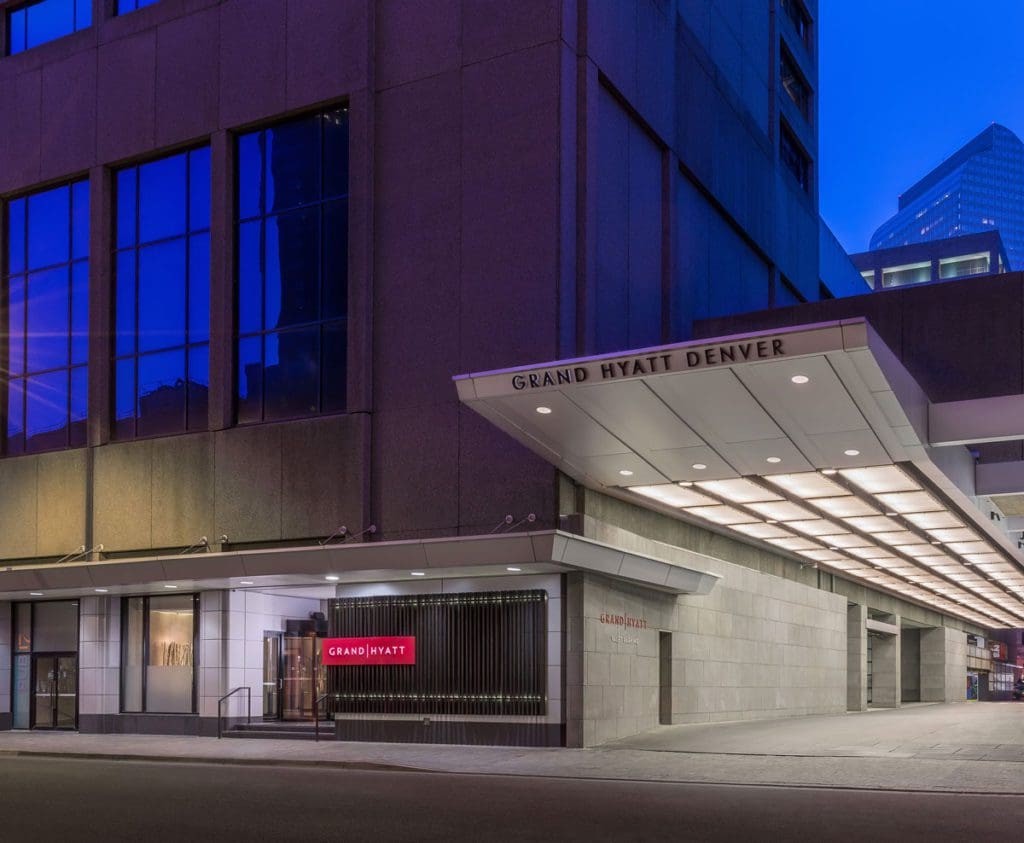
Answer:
(43, 799)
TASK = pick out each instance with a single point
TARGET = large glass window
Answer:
(794, 158)
(125, 6)
(162, 310)
(794, 85)
(46, 20)
(798, 17)
(158, 654)
(47, 295)
(292, 205)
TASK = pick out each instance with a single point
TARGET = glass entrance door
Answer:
(55, 691)
(272, 675)
(298, 677)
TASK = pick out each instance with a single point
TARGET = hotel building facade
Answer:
(349, 370)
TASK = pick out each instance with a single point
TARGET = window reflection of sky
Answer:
(162, 295)
(292, 257)
(48, 303)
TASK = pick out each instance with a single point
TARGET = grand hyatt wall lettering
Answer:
(652, 364)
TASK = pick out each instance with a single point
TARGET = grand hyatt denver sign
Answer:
(676, 360)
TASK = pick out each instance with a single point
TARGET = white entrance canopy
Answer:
(811, 439)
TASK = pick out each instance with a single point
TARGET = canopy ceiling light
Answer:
(892, 551)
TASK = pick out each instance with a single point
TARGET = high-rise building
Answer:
(979, 188)
(251, 248)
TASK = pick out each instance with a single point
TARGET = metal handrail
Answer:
(316, 715)
(227, 696)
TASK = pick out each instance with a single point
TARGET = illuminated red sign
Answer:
(382, 650)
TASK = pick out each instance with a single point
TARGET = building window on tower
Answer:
(292, 286)
(46, 291)
(36, 23)
(796, 13)
(126, 6)
(795, 159)
(794, 85)
(162, 296)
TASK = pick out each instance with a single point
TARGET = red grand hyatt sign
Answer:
(382, 650)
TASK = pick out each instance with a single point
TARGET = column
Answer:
(856, 658)
(5, 666)
(943, 664)
(885, 668)
(99, 663)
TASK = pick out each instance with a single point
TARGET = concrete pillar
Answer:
(943, 665)
(215, 623)
(574, 645)
(886, 651)
(99, 662)
(910, 665)
(856, 658)
(5, 666)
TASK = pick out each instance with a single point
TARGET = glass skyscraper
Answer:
(978, 188)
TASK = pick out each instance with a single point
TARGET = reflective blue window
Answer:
(47, 295)
(126, 6)
(44, 21)
(162, 296)
(292, 205)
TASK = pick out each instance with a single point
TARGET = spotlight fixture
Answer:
(625, 472)
(698, 466)
(852, 452)
(800, 379)
(773, 460)
(829, 471)
(544, 411)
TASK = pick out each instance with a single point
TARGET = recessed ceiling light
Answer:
(698, 466)
(100, 590)
(332, 578)
(829, 471)
(625, 472)
(245, 582)
(773, 460)
(514, 570)
(417, 573)
(800, 379)
(167, 585)
(685, 482)
(35, 594)
(544, 411)
(852, 452)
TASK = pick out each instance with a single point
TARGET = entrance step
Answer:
(281, 731)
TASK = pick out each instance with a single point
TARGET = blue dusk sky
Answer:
(903, 84)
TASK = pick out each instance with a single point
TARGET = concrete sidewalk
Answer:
(977, 748)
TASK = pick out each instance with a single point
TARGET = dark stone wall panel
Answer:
(126, 97)
(67, 141)
(187, 77)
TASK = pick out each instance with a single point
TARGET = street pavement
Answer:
(966, 748)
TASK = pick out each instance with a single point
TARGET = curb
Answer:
(199, 759)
